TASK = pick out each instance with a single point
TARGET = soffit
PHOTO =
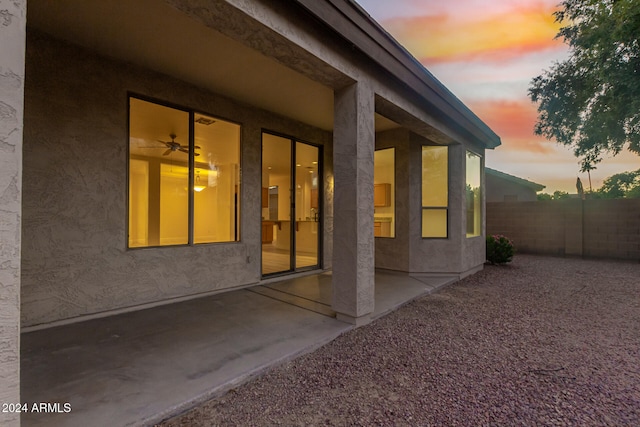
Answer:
(154, 35)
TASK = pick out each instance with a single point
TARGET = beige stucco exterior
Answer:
(76, 154)
(12, 33)
(76, 263)
(320, 72)
(408, 251)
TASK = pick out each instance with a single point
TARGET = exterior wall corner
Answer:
(12, 64)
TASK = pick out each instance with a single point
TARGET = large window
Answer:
(474, 195)
(384, 178)
(435, 191)
(184, 170)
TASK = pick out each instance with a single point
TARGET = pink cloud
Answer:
(513, 121)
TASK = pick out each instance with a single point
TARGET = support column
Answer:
(12, 64)
(353, 241)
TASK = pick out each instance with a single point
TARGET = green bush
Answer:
(500, 249)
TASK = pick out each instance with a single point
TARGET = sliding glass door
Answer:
(290, 205)
(307, 206)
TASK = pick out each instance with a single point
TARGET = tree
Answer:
(624, 184)
(560, 195)
(634, 193)
(557, 195)
(591, 101)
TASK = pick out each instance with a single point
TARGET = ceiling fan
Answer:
(176, 146)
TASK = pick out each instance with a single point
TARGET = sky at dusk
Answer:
(486, 53)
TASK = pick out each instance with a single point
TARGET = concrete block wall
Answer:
(612, 227)
(532, 229)
(589, 228)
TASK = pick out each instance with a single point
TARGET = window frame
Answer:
(321, 193)
(393, 189)
(481, 191)
(438, 208)
(192, 112)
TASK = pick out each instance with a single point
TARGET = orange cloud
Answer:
(494, 56)
(513, 121)
(447, 37)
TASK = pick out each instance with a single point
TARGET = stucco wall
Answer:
(393, 253)
(457, 254)
(75, 256)
(590, 228)
(408, 251)
(12, 47)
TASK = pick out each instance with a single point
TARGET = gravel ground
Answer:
(539, 342)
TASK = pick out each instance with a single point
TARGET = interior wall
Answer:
(75, 256)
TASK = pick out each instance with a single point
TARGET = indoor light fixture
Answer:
(197, 186)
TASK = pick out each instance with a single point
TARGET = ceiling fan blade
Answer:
(197, 147)
(166, 153)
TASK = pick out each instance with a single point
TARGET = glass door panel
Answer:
(291, 191)
(307, 206)
(276, 204)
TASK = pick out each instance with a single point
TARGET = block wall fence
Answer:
(607, 228)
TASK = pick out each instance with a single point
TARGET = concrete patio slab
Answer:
(310, 292)
(394, 289)
(140, 367)
(136, 368)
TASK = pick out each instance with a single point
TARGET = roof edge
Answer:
(517, 180)
(381, 47)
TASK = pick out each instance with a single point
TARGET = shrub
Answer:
(500, 249)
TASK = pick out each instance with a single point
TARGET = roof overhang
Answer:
(163, 36)
(356, 26)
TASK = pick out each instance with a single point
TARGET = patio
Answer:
(138, 368)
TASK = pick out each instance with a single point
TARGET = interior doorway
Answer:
(291, 205)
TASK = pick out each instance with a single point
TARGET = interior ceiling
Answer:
(151, 127)
(276, 156)
(156, 36)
